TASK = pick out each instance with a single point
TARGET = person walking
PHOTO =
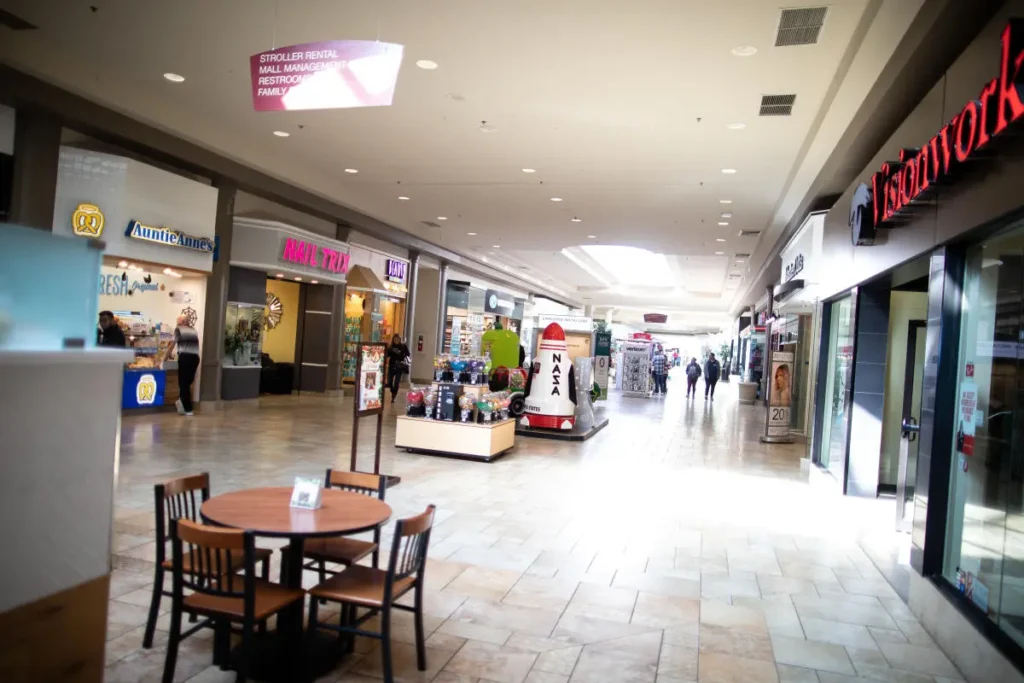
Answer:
(712, 371)
(397, 355)
(186, 340)
(659, 368)
(692, 375)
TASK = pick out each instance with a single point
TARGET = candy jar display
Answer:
(439, 368)
(429, 401)
(476, 371)
(504, 402)
(466, 403)
(459, 373)
(485, 407)
(414, 402)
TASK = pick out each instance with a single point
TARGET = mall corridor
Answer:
(672, 547)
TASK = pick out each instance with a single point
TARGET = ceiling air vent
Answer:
(800, 26)
(777, 105)
(738, 255)
(15, 23)
(749, 233)
(431, 224)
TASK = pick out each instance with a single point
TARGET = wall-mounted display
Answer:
(243, 334)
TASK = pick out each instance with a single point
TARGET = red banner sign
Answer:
(337, 74)
(898, 184)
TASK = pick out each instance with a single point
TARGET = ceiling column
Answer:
(36, 155)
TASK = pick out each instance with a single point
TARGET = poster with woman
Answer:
(370, 384)
(780, 393)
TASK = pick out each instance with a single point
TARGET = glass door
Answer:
(839, 389)
(909, 444)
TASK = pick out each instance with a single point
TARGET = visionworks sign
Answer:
(897, 185)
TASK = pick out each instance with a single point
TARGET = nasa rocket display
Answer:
(551, 386)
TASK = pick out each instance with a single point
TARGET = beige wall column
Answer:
(36, 155)
(217, 296)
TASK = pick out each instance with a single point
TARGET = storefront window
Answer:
(838, 389)
(985, 536)
(369, 317)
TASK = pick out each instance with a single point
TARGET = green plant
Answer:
(233, 342)
(600, 325)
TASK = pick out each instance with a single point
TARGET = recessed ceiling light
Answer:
(298, 279)
(728, 171)
(741, 262)
(592, 237)
(471, 234)
(351, 170)
(737, 125)
(723, 222)
(726, 215)
(495, 246)
(744, 50)
(314, 282)
(174, 78)
(529, 170)
(556, 199)
(427, 64)
(279, 276)
(719, 239)
(404, 198)
(442, 218)
(487, 128)
(576, 219)
(719, 253)
(281, 133)
(725, 201)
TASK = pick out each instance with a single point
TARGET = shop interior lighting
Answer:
(728, 171)
(403, 198)
(556, 199)
(351, 170)
(744, 50)
(442, 218)
(736, 125)
(122, 264)
(281, 133)
(720, 239)
(298, 279)
(172, 273)
(174, 78)
(279, 276)
(471, 234)
(723, 222)
(529, 170)
(314, 282)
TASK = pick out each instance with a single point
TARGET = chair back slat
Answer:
(409, 547)
(357, 482)
(214, 558)
(179, 499)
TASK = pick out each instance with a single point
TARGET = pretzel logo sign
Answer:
(145, 390)
(87, 221)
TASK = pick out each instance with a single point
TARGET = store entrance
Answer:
(906, 474)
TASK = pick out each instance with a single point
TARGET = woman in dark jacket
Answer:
(397, 356)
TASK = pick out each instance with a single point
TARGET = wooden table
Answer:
(266, 512)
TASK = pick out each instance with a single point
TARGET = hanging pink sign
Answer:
(336, 74)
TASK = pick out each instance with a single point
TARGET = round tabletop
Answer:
(266, 512)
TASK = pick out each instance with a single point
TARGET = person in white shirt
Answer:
(186, 340)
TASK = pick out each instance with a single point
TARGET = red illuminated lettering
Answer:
(986, 114)
(964, 149)
(1009, 108)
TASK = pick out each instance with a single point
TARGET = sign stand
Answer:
(776, 421)
(369, 400)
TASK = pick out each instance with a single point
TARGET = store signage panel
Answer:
(336, 74)
(87, 221)
(143, 389)
(793, 268)
(499, 303)
(569, 323)
(395, 270)
(780, 393)
(169, 237)
(899, 184)
(312, 255)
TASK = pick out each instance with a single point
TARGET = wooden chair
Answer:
(340, 550)
(204, 562)
(176, 499)
(369, 587)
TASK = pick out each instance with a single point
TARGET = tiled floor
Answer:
(671, 547)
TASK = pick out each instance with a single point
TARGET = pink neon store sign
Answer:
(313, 255)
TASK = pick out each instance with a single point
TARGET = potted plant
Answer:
(233, 343)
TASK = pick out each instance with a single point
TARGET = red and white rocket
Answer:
(551, 386)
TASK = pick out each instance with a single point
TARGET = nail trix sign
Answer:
(313, 255)
(899, 184)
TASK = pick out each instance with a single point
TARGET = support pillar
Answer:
(36, 155)
(336, 341)
(217, 296)
(413, 280)
(442, 305)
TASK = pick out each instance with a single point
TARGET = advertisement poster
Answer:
(602, 361)
(780, 393)
(336, 74)
(636, 368)
(967, 408)
(455, 345)
(370, 382)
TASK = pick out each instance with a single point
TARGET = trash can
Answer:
(748, 393)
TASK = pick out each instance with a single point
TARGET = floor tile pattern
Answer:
(672, 547)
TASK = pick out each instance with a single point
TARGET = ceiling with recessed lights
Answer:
(533, 134)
